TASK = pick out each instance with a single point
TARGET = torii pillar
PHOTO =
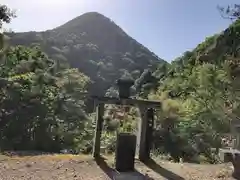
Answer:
(144, 136)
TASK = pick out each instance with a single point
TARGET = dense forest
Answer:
(46, 79)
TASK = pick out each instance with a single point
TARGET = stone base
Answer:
(233, 156)
(129, 176)
(227, 155)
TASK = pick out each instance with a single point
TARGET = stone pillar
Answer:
(98, 130)
(125, 152)
(141, 136)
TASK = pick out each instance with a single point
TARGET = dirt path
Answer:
(49, 167)
(57, 167)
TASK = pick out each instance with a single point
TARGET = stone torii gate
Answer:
(145, 125)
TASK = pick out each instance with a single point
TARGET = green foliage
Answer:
(194, 109)
(41, 104)
(207, 43)
(200, 96)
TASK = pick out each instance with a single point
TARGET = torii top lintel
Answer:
(126, 101)
(124, 85)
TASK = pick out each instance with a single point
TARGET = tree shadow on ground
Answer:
(162, 171)
(112, 173)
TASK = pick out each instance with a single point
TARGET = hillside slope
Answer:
(215, 49)
(97, 46)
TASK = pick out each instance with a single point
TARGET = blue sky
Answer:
(166, 27)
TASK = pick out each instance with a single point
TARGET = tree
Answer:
(41, 106)
(6, 15)
(195, 107)
(230, 12)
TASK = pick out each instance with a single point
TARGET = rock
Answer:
(28, 165)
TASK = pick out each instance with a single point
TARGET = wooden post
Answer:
(98, 130)
(149, 133)
(236, 132)
(238, 141)
(141, 137)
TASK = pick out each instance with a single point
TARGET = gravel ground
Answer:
(69, 167)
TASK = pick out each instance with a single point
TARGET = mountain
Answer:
(96, 46)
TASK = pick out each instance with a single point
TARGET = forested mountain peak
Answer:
(84, 19)
(96, 46)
